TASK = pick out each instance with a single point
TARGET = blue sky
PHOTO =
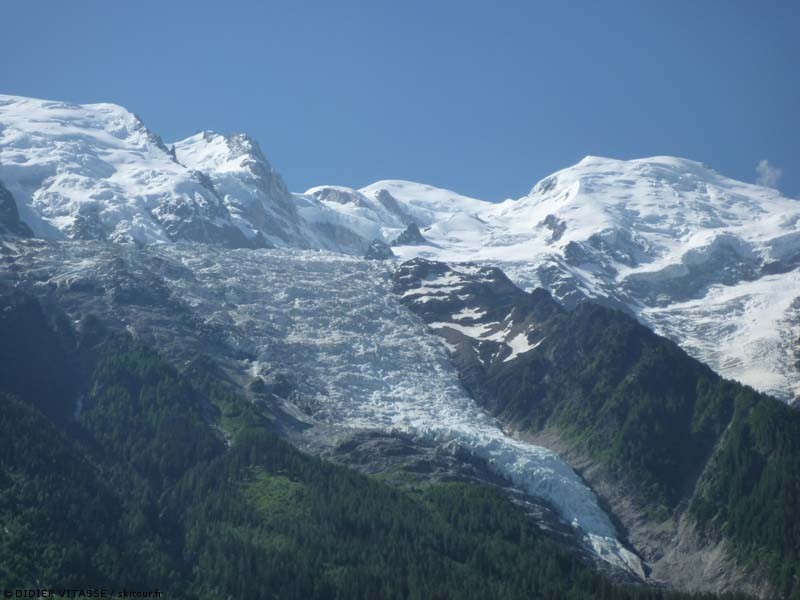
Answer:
(481, 97)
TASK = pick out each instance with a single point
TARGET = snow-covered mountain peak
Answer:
(425, 203)
(33, 121)
(680, 175)
(666, 160)
(94, 171)
(670, 202)
(209, 150)
(254, 193)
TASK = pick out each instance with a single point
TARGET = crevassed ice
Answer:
(366, 361)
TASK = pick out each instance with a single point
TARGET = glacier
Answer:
(362, 360)
(358, 359)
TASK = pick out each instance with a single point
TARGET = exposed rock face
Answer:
(391, 204)
(556, 226)
(676, 553)
(253, 192)
(412, 236)
(477, 310)
(379, 250)
(10, 223)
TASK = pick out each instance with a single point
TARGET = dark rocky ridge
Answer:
(10, 223)
(412, 236)
(379, 250)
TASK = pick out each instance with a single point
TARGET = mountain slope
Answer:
(710, 262)
(648, 424)
(334, 344)
(257, 518)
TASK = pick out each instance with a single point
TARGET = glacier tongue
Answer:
(361, 359)
(354, 355)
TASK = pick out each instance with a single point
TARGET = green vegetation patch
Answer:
(275, 497)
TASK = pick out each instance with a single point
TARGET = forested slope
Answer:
(663, 425)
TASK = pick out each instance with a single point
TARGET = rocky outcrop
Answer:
(379, 250)
(676, 553)
(412, 236)
(252, 191)
(10, 223)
